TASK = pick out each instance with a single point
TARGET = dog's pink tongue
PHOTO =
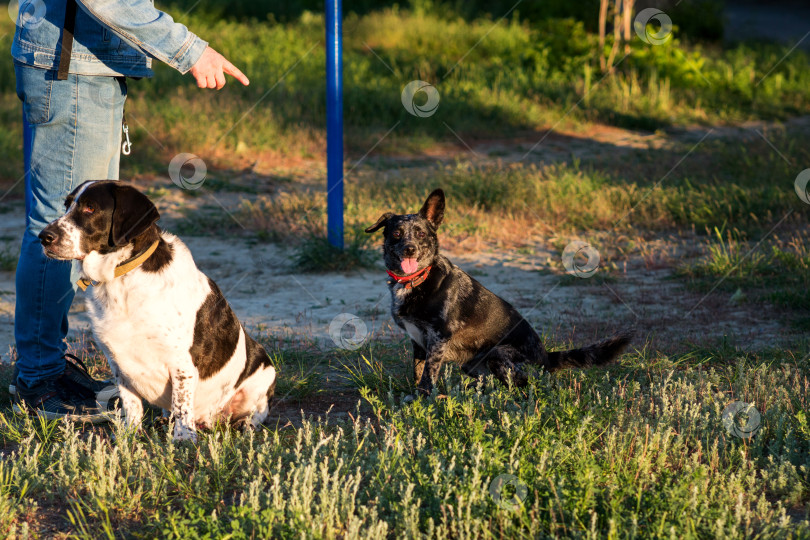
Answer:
(409, 265)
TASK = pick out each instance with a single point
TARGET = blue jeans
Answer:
(73, 135)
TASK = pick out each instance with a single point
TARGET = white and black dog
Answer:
(168, 333)
(450, 317)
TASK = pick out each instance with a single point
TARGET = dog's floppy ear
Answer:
(72, 196)
(433, 209)
(380, 222)
(132, 215)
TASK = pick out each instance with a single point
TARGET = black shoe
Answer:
(106, 391)
(60, 397)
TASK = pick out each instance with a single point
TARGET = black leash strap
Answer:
(67, 40)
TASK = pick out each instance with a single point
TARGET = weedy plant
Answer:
(730, 255)
(316, 254)
(380, 372)
(773, 270)
(297, 377)
(638, 450)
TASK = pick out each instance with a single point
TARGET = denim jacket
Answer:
(111, 37)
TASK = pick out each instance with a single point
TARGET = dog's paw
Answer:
(184, 434)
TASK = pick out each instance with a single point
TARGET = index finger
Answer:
(232, 70)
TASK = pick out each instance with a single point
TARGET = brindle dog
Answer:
(450, 317)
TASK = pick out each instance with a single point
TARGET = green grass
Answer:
(636, 450)
(301, 379)
(520, 78)
(601, 453)
(380, 370)
(316, 254)
(516, 77)
(747, 186)
(728, 255)
(774, 270)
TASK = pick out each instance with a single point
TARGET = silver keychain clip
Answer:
(126, 147)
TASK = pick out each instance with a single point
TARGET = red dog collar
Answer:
(414, 280)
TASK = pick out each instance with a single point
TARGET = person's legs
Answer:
(75, 136)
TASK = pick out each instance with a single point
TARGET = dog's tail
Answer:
(592, 355)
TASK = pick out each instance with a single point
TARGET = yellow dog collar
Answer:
(124, 267)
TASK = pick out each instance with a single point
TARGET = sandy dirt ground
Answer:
(267, 294)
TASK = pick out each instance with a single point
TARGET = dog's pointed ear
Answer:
(132, 215)
(433, 209)
(380, 222)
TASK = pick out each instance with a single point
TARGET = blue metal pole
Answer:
(334, 122)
